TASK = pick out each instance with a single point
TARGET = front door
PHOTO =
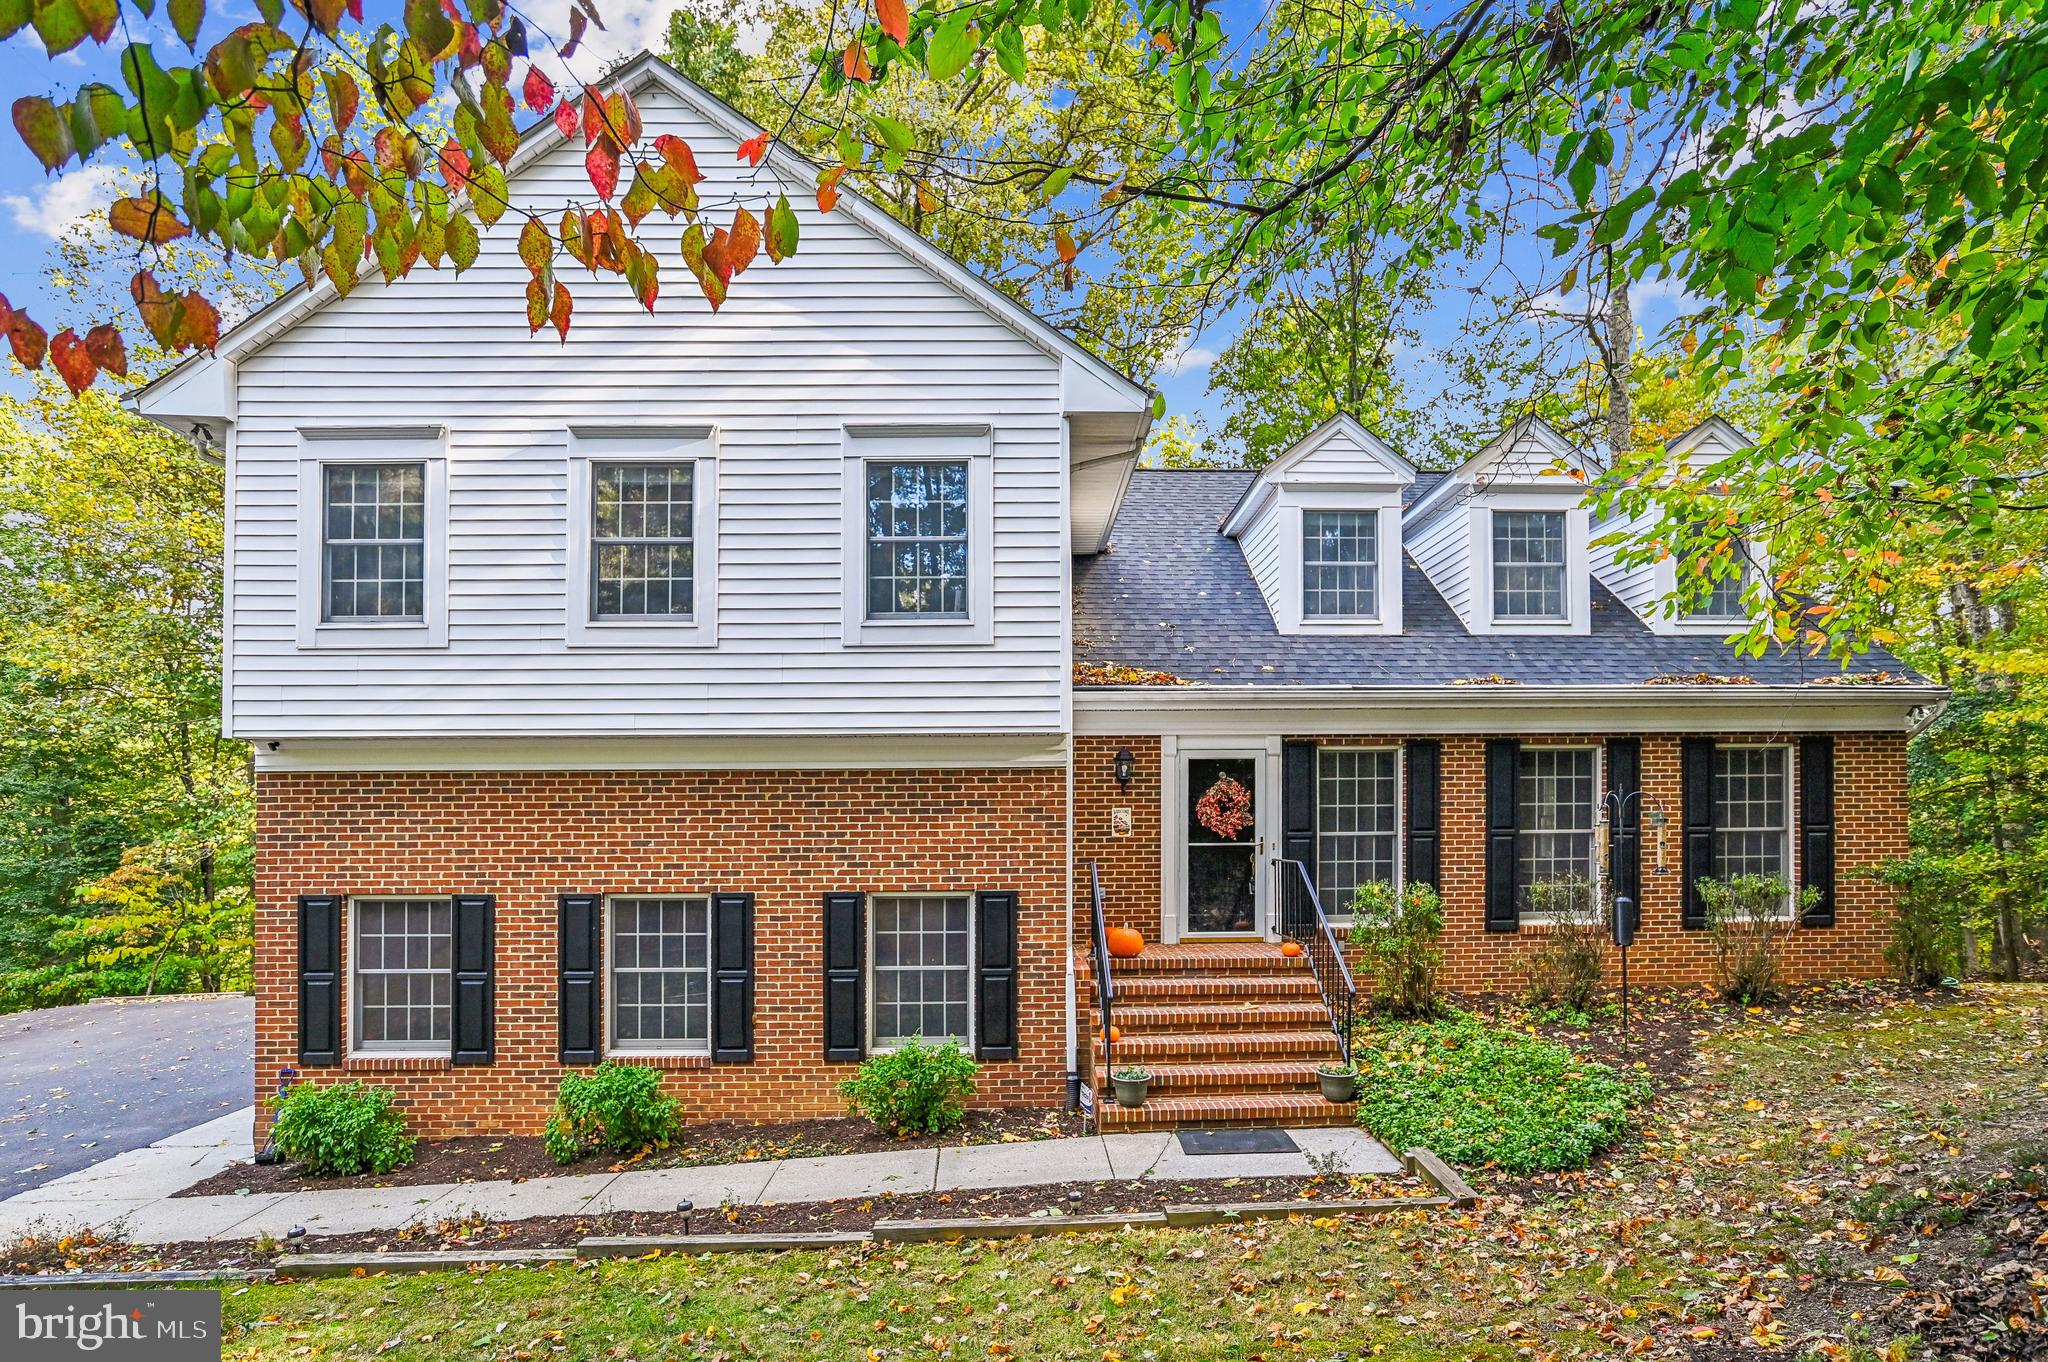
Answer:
(1220, 836)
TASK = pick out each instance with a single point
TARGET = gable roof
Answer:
(1400, 472)
(1093, 384)
(1465, 478)
(1712, 431)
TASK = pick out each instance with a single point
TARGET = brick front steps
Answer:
(1231, 1033)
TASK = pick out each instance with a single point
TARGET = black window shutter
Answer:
(732, 978)
(475, 1038)
(995, 978)
(579, 1005)
(845, 943)
(1625, 838)
(1503, 771)
(319, 980)
(1817, 827)
(1425, 806)
(1298, 804)
(1696, 846)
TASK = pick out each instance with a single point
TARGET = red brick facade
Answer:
(1870, 821)
(785, 836)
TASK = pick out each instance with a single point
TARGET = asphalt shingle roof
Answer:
(1174, 595)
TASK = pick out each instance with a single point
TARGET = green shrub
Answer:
(915, 1089)
(1481, 1094)
(1927, 929)
(1399, 937)
(1560, 966)
(340, 1129)
(615, 1107)
(1748, 920)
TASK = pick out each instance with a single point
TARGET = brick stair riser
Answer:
(1224, 1083)
(1166, 1114)
(1256, 1017)
(1274, 963)
(1166, 988)
(1247, 1048)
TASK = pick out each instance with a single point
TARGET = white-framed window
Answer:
(1557, 807)
(1358, 822)
(1722, 604)
(1340, 564)
(643, 537)
(401, 975)
(1753, 812)
(920, 952)
(373, 538)
(1529, 566)
(920, 529)
(658, 957)
(918, 559)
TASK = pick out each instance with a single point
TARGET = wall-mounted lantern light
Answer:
(1125, 765)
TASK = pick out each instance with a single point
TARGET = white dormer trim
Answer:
(1707, 443)
(1578, 568)
(1338, 466)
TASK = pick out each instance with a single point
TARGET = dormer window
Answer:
(1340, 565)
(1529, 566)
(1723, 601)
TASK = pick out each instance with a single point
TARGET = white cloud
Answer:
(630, 27)
(63, 200)
(1194, 357)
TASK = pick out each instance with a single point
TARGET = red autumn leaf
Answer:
(454, 165)
(676, 152)
(107, 349)
(754, 149)
(540, 91)
(696, 256)
(1063, 243)
(28, 339)
(565, 118)
(894, 17)
(73, 361)
(602, 161)
(746, 238)
(150, 220)
(577, 23)
(201, 323)
(854, 61)
(1163, 41)
(593, 116)
(159, 310)
(622, 118)
(828, 189)
(718, 255)
(559, 313)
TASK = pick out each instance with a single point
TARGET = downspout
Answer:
(1073, 989)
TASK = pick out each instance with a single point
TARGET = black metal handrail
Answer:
(1105, 986)
(1302, 920)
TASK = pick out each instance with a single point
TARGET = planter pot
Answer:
(1130, 1092)
(1338, 1087)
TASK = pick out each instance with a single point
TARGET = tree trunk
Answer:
(1619, 350)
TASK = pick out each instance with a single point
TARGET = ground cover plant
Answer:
(1484, 1095)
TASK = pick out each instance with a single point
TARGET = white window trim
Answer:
(320, 449)
(641, 1049)
(351, 1016)
(1578, 568)
(1290, 618)
(1666, 617)
(918, 444)
(968, 1041)
(1788, 859)
(696, 445)
(1340, 916)
(1529, 917)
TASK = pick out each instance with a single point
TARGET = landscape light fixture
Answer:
(683, 1208)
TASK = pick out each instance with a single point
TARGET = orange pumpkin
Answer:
(1125, 942)
(1116, 1033)
(1290, 949)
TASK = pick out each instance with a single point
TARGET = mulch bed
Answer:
(1071, 1198)
(518, 1158)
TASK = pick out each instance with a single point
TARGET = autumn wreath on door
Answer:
(1226, 809)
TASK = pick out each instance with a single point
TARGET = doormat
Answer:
(1237, 1142)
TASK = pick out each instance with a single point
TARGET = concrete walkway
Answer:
(132, 1193)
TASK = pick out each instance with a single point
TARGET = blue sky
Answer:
(35, 208)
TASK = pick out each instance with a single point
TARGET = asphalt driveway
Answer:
(80, 1084)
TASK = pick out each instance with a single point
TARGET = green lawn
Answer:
(1818, 1164)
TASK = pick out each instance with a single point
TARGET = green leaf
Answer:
(1056, 182)
(951, 45)
(1009, 46)
(462, 241)
(46, 132)
(186, 17)
(1881, 186)
(892, 134)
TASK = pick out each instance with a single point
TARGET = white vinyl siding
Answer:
(1440, 547)
(848, 331)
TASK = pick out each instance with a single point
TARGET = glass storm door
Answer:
(1220, 831)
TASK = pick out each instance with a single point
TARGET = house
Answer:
(701, 693)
